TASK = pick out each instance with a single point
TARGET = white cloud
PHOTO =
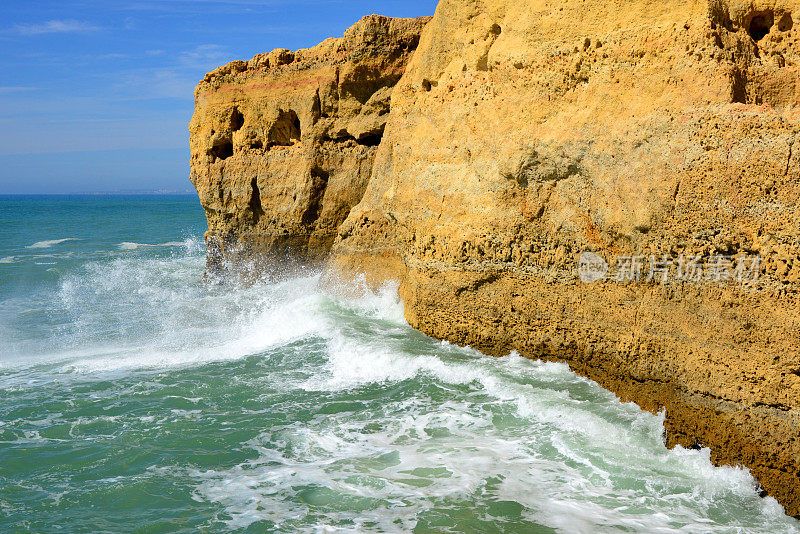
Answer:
(159, 83)
(203, 56)
(111, 55)
(55, 26)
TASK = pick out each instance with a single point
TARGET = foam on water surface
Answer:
(132, 394)
(133, 246)
(51, 242)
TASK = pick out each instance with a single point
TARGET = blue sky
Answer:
(97, 96)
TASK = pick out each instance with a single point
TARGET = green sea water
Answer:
(135, 397)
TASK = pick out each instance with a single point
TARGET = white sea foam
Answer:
(568, 453)
(171, 323)
(427, 453)
(50, 243)
(131, 246)
(128, 245)
(8, 259)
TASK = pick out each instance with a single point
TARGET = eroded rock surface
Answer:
(524, 133)
(282, 145)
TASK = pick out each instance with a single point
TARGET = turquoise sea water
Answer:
(136, 398)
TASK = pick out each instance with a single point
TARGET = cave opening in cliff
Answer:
(255, 201)
(370, 139)
(739, 86)
(760, 25)
(319, 183)
(286, 129)
(237, 120)
(221, 150)
(786, 23)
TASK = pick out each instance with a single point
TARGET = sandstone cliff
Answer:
(282, 145)
(523, 134)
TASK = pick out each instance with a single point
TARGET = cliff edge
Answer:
(615, 186)
(282, 145)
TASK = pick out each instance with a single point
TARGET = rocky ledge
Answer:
(613, 186)
(282, 145)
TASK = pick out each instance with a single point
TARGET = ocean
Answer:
(136, 397)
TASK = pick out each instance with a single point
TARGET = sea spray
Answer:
(139, 396)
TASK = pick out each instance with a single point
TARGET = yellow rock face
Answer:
(525, 133)
(522, 135)
(282, 145)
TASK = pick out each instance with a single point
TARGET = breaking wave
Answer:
(287, 407)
